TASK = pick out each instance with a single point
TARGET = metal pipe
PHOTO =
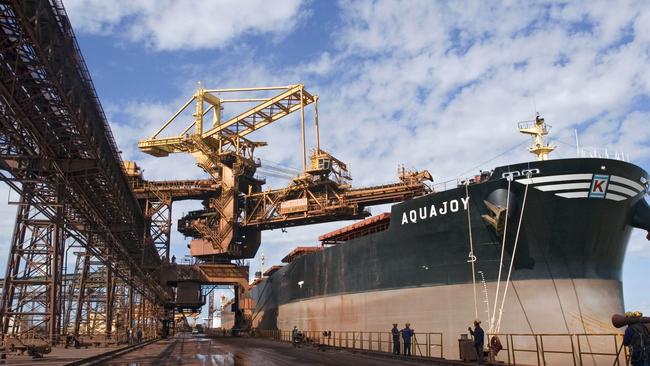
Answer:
(143, 308)
(131, 309)
(172, 118)
(194, 122)
(244, 100)
(110, 293)
(230, 90)
(57, 270)
(316, 122)
(302, 129)
(198, 115)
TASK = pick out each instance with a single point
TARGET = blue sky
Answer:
(433, 85)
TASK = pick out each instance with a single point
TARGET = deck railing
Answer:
(563, 349)
(529, 349)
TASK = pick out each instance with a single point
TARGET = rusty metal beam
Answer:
(58, 153)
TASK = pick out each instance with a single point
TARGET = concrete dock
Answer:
(189, 349)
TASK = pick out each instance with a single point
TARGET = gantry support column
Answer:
(131, 311)
(58, 251)
(81, 289)
(120, 311)
(95, 299)
(158, 214)
(143, 313)
(31, 306)
(211, 309)
(110, 306)
(72, 296)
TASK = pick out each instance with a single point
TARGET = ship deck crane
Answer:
(229, 226)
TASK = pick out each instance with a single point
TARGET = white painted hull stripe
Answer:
(614, 197)
(563, 187)
(573, 194)
(555, 178)
(627, 182)
(585, 194)
(621, 189)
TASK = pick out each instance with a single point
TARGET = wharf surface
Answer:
(60, 356)
(186, 349)
(189, 349)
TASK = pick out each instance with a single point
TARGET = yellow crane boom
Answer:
(230, 224)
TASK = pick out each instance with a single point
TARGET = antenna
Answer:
(577, 143)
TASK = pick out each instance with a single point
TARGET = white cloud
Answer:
(167, 25)
(322, 66)
(96, 16)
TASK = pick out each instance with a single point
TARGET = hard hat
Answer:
(633, 314)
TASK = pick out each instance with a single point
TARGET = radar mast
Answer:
(537, 129)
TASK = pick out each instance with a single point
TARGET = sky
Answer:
(431, 84)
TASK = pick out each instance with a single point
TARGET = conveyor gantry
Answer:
(58, 153)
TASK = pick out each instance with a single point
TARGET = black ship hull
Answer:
(567, 226)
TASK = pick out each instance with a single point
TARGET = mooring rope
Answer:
(512, 259)
(472, 257)
(503, 247)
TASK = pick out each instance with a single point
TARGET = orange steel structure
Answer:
(229, 226)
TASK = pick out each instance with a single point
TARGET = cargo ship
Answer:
(529, 248)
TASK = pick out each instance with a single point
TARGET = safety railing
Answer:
(584, 345)
(528, 349)
(429, 344)
(561, 349)
(600, 153)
